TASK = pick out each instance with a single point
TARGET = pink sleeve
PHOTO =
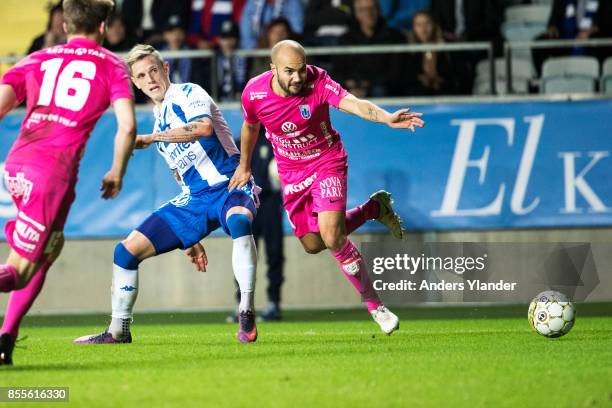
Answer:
(331, 92)
(248, 111)
(120, 82)
(15, 77)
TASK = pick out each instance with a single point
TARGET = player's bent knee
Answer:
(239, 225)
(334, 242)
(312, 250)
(313, 247)
(124, 258)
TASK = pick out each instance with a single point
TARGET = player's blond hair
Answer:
(140, 51)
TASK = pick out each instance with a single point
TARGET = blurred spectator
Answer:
(579, 19)
(55, 30)
(231, 72)
(207, 19)
(278, 30)
(575, 19)
(399, 13)
(145, 19)
(427, 73)
(116, 39)
(174, 40)
(257, 14)
(269, 222)
(468, 20)
(369, 74)
(327, 21)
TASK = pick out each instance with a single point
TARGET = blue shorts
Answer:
(194, 216)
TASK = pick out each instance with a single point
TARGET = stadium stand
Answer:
(569, 74)
(606, 76)
(522, 74)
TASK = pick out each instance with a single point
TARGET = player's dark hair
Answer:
(53, 8)
(85, 16)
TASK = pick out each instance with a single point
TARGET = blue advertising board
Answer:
(474, 166)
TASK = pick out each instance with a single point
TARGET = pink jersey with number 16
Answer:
(67, 89)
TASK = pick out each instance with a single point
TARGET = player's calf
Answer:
(244, 263)
(16, 272)
(124, 291)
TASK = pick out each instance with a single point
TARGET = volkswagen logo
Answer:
(289, 127)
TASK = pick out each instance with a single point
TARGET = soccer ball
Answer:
(551, 314)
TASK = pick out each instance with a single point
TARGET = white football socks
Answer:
(124, 292)
(244, 262)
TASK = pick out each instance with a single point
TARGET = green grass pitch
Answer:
(441, 357)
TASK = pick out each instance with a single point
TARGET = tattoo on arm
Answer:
(372, 114)
(187, 134)
(189, 127)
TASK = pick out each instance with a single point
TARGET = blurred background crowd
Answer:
(224, 26)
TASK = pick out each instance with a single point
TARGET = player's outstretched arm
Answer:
(8, 100)
(400, 119)
(190, 132)
(248, 137)
(124, 144)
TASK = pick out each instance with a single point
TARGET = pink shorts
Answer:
(306, 193)
(43, 201)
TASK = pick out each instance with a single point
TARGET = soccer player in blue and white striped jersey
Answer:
(196, 142)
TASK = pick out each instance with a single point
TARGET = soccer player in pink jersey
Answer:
(292, 102)
(67, 88)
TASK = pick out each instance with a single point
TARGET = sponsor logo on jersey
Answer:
(300, 142)
(301, 186)
(27, 232)
(328, 136)
(182, 199)
(332, 88)
(331, 187)
(257, 95)
(305, 111)
(198, 103)
(300, 154)
(7, 207)
(288, 127)
(187, 89)
(35, 118)
(75, 51)
(18, 186)
(182, 154)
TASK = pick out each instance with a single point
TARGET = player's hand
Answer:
(197, 256)
(404, 119)
(241, 177)
(143, 141)
(111, 185)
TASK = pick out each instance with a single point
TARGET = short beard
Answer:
(286, 88)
